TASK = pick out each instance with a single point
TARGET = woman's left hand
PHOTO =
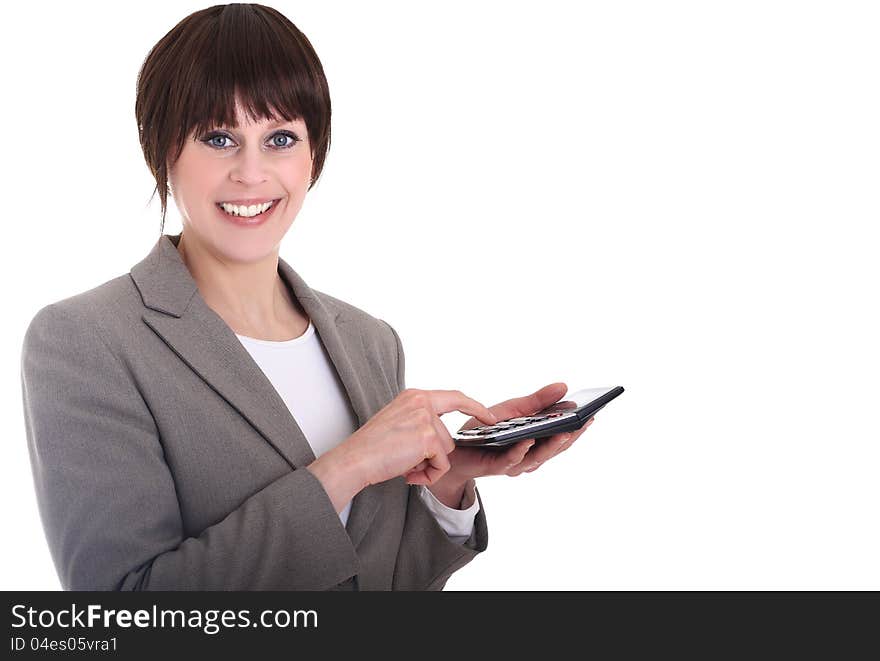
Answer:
(523, 456)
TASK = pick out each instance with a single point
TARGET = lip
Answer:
(249, 201)
(256, 221)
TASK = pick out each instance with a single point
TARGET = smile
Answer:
(250, 216)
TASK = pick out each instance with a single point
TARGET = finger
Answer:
(544, 397)
(439, 466)
(514, 455)
(524, 461)
(576, 434)
(565, 443)
(520, 406)
(526, 466)
(417, 474)
(418, 478)
(444, 401)
(435, 463)
(568, 439)
(419, 467)
(528, 461)
(443, 434)
(537, 401)
(549, 448)
(541, 452)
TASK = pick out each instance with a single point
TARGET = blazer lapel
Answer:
(177, 313)
(342, 341)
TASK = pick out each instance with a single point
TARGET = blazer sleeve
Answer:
(107, 498)
(427, 557)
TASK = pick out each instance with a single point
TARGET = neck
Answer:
(250, 297)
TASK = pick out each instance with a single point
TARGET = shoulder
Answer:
(84, 317)
(369, 325)
(381, 343)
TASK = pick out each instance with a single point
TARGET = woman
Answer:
(208, 420)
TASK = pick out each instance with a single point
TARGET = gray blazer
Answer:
(164, 459)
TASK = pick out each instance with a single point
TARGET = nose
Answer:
(250, 166)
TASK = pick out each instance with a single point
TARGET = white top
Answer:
(304, 376)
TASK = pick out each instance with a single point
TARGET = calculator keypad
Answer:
(513, 423)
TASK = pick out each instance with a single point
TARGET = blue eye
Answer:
(211, 137)
(284, 134)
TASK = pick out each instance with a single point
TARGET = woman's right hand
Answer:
(408, 434)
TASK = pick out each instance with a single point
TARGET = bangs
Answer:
(242, 55)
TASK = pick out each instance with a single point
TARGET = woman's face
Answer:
(261, 161)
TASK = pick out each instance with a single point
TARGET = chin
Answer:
(250, 245)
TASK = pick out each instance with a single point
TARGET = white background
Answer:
(679, 197)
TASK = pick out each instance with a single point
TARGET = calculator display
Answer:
(576, 400)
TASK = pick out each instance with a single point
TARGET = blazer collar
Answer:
(177, 313)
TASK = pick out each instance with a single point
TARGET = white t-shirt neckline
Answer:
(283, 343)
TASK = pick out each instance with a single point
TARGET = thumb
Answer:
(549, 394)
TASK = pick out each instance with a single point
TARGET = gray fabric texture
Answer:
(164, 459)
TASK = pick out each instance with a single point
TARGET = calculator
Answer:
(565, 415)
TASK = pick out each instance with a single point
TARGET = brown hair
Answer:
(192, 76)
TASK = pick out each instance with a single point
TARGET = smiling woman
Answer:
(208, 420)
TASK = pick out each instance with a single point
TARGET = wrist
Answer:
(354, 465)
(451, 492)
(341, 475)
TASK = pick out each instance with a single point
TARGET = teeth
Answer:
(247, 212)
